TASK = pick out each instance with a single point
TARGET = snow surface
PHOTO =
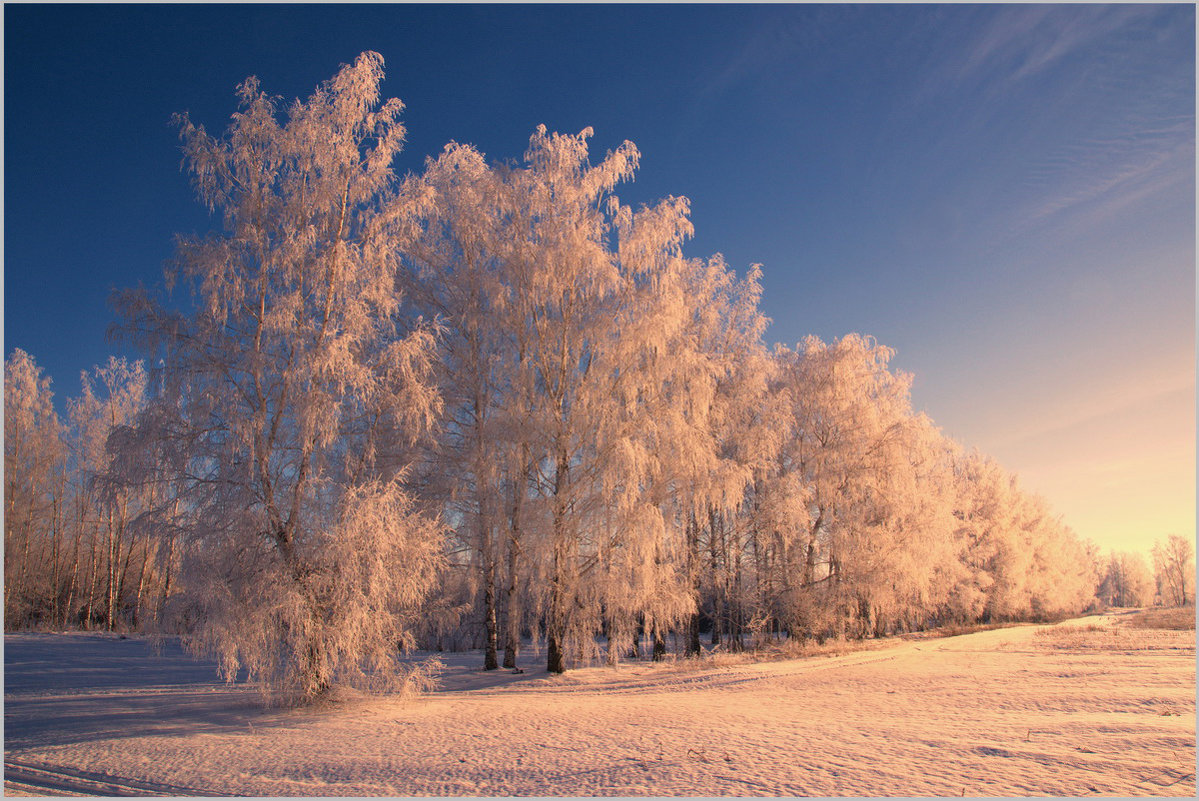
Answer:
(1088, 707)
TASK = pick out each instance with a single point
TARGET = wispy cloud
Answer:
(768, 42)
(1003, 41)
(1122, 126)
(1099, 177)
(776, 41)
(1016, 43)
(1061, 36)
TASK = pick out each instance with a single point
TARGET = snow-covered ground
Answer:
(1088, 707)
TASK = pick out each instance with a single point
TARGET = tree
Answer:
(854, 434)
(455, 273)
(295, 391)
(1126, 581)
(586, 303)
(111, 398)
(567, 289)
(1174, 564)
(34, 473)
(742, 419)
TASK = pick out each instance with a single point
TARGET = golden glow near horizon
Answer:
(1118, 467)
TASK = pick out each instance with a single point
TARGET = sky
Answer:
(1004, 194)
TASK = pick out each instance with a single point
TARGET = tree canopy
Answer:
(486, 404)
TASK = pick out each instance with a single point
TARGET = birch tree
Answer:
(34, 467)
(598, 316)
(746, 421)
(111, 397)
(1127, 581)
(455, 274)
(1174, 564)
(297, 391)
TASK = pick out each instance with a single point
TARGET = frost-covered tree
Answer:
(1174, 565)
(853, 422)
(574, 366)
(1127, 580)
(1020, 561)
(456, 273)
(1065, 570)
(295, 391)
(660, 436)
(34, 494)
(979, 493)
(507, 353)
(111, 397)
(900, 529)
(581, 300)
(742, 423)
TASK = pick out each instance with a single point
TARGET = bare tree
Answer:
(1174, 564)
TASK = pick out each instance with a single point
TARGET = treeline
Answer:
(479, 404)
(80, 545)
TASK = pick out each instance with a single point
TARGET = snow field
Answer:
(1085, 708)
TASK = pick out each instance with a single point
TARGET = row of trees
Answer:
(1128, 580)
(483, 403)
(77, 550)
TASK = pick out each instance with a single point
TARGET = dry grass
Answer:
(801, 649)
(957, 629)
(1148, 630)
(1177, 619)
(1089, 637)
(1060, 632)
(768, 652)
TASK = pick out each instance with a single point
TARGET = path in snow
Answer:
(1085, 708)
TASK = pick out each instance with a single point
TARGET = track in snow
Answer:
(35, 779)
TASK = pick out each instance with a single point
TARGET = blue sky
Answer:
(1005, 194)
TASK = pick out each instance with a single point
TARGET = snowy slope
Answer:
(1085, 708)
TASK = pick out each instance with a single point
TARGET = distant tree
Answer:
(1127, 581)
(294, 392)
(111, 397)
(34, 474)
(1174, 564)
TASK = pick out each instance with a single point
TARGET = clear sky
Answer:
(1005, 194)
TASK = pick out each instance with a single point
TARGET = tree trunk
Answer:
(556, 624)
(809, 567)
(110, 588)
(313, 679)
(141, 583)
(91, 584)
(124, 573)
(555, 658)
(693, 647)
(70, 602)
(491, 651)
(170, 563)
(165, 596)
(55, 569)
(717, 579)
(511, 611)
